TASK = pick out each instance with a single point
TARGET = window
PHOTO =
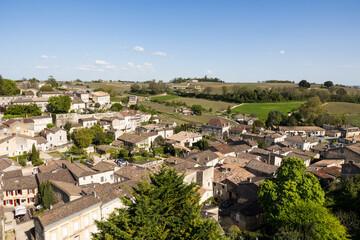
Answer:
(60, 137)
(32, 199)
(31, 190)
(53, 236)
(9, 193)
(76, 226)
(22, 146)
(8, 202)
(102, 179)
(7, 148)
(112, 176)
(23, 200)
(50, 138)
(19, 192)
(64, 232)
(86, 221)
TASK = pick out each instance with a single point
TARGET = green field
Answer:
(342, 107)
(163, 98)
(215, 105)
(262, 109)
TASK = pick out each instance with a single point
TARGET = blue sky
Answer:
(237, 41)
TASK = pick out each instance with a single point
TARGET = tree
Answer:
(197, 109)
(224, 90)
(46, 88)
(116, 107)
(311, 110)
(208, 90)
(135, 87)
(304, 84)
(8, 87)
(228, 111)
(46, 195)
(52, 81)
(29, 110)
(202, 144)
(67, 126)
(83, 137)
(275, 118)
(34, 156)
(328, 84)
(341, 92)
(287, 186)
(59, 104)
(314, 222)
(166, 208)
(254, 129)
(99, 136)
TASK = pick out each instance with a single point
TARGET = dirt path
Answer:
(237, 105)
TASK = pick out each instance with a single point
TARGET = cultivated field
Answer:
(262, 109)
(164, 98)
(342, 107)
(215, 105)
(168, 113)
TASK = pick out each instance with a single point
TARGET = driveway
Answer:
(22, 231)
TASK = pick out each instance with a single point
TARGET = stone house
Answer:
(303, 143)
(19, 191)
(350, 170)
(77, 105)
(185, 139)
(216, 126)
(41, 122)
(16, 144)
(72, 220)
(55, 137)
(100, 97)
(310, 131)
(88, 122)
(23, 126)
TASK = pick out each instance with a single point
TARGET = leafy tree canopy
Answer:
(116, 107)
(197, 109)
(29, 110)
(328, 84)
(8, 87)
(47, 88)
(287, 186)
(304, 84)
(59, 104)
(166, 208)
(46, 195)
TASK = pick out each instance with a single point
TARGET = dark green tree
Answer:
(47, 88)
(34, 156)
(304, 84)
(228, 111)
(328, 84)
(67, 126)
(202, 144)
(46, 195)
(59, 104)
(197, 109)
(275, 118)
(166, 208)
(52, 81)
(116, 107)
(29, 110)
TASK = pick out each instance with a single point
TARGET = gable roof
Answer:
(261, 167)
(18, 183)
(59, 213)
(216, 122)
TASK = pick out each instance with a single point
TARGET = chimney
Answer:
(249, 179)
(207, 158)
(175, 161)
(196, 158)
(51, 206)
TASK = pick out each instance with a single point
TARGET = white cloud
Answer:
(41, 67)
(138, 49)
(281, 52)
(110, 67)
(101, 62)
(161, 54)
(86, 67)
(48, 57)
(130, 66)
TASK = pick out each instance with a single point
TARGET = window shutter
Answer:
(11, 202)
(4, 203)
(20, 192)
(28, 191)
(28, 200)
(15, 192)
(7, 193)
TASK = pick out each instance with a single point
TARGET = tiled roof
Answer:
(19, 183)
(13, 174)
(58, 213)
(261, 167)
(105, 192)
(40, 140)
(184, 135)
(5, 163)
(80, 170)
(61, 175)
(216, 122)
(69, 188)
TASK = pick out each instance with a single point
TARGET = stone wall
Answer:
(61, 119)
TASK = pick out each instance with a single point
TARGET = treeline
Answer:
(152, 87)
(279, 81)
(204, 79)
(8, 87)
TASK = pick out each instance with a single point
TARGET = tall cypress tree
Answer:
(166, 208)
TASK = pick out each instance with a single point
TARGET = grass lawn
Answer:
(215, 105)
(262, 109)
(164, 98)
(342, 107)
